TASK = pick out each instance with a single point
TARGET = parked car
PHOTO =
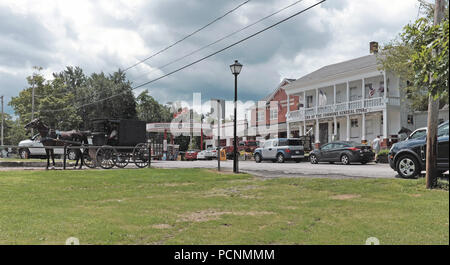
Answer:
(417, 133)
(191, 155)
(280, 150)
(34, 148)
(247, 146)
(344, 152)
(208, 154)
(408, 157)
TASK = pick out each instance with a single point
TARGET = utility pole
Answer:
(433, 113)
(3, 125)
(32, 107)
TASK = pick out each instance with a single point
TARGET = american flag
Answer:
(371, 91)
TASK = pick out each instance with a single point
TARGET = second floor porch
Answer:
(342, 109)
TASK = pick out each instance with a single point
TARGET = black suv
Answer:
(408, 157)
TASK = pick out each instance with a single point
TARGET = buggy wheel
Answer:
(105, 157)
(121, 159)
(87, 159)
(141, 155)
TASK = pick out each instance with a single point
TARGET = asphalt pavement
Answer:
(290, 169)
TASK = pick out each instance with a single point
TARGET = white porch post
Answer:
(385, 123)
(363, 92)
(335, 129)
(363, 136)
(304, 127)
(385, 118)
(334, 94)
(317, 99)
(317, 132)
(348, 91)
(348, 128)
(288, 134)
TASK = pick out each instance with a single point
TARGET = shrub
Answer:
(383, 152)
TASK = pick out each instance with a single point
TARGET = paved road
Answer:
(273, 170)
(303, 169)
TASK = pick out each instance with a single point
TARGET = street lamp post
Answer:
(235, 70)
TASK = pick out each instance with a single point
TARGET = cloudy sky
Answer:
(111, 34)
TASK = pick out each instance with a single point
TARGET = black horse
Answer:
(50, 137)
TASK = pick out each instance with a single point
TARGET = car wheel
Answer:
(24, 153)
(313, 159)
(345, 160)
(258, 158)
(408, 167)
(280, 158)
(298, 160)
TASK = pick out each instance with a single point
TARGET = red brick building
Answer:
(272, 110)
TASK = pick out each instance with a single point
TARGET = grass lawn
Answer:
(194, 206)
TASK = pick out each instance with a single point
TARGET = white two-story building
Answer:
(349, 101)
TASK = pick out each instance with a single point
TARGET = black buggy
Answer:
(118, 143)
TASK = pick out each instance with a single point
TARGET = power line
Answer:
(221, 39)
(215, 42)
(199, 60)
(187, 36)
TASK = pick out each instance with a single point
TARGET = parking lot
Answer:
(290, 169)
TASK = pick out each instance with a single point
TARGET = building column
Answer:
(363, 92)
(385, 126)
(348, 127)
(304, 127)
(288, 131)
(304, 99)
(348, 91)
(334, 94)
(317, 99)
(363, 132)
(385, 85)
(335, 129)
(316, 134)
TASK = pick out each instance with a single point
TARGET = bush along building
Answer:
(350, 101)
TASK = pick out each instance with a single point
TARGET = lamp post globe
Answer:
(235, 70)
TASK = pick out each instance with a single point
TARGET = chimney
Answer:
(373, 47)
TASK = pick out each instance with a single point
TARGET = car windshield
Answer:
(252, 144)
(290, 142)
(443, 130)
(418, 134)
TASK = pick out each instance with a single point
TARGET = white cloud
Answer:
(104, 35)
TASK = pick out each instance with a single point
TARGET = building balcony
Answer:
(342, 109)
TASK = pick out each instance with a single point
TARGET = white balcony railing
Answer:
(296, 115)
(357, 104)
(372, 104)
(310, 111)
(325, 109)
(341, 106)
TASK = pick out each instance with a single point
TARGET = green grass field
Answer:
(193, 206)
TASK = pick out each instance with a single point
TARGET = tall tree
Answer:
(149, 110)
(410, 56)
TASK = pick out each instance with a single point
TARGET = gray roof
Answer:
(285, 81)
(338, 68)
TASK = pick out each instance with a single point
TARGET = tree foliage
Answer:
(420, 56)
(149, 110)
(70, 100)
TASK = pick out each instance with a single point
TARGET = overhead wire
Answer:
(199, 60)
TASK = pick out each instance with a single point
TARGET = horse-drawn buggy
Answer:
(117, 143)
